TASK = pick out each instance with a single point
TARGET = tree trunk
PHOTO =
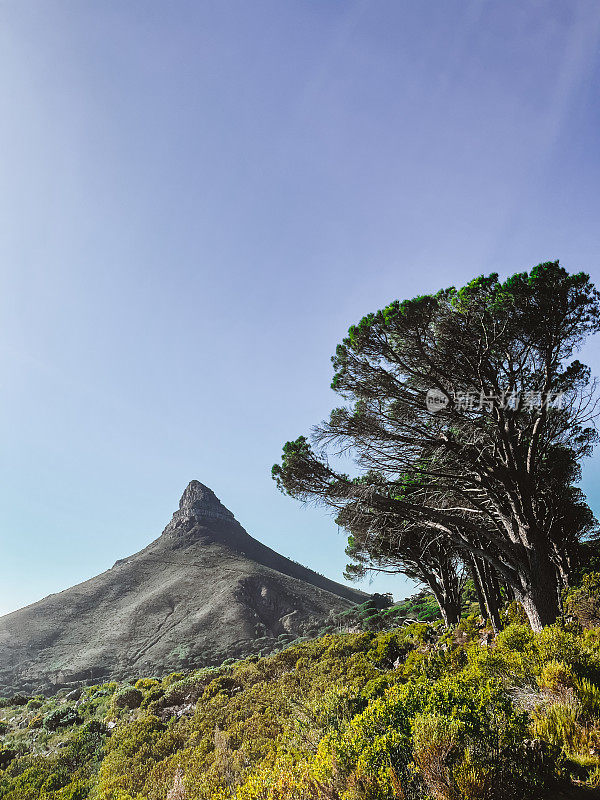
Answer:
(540, 597)
(449, 607)
(491, 593)
(452, 609)
(483, 580)
(477, 584)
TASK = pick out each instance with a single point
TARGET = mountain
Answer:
(203, 591)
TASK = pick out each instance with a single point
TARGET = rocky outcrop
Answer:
(203, 591)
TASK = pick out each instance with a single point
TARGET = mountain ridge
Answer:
(204, 590)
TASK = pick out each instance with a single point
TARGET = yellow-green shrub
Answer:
(559, 724)
(473, 780)
(556, 677)
(434, 737)
(588, 695)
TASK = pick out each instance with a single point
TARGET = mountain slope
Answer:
(203, 591)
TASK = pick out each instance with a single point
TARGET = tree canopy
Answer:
(467, 415)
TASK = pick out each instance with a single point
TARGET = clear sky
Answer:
(197, 200)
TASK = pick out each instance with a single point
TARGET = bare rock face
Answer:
(199, 502)
(203, 591)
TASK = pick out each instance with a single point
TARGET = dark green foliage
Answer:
(381, 615)
(6, 756)
(583, 602)
(61, 717)
(19, 700)
(129, 697)
(152, 696)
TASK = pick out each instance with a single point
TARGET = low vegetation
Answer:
(385, 707)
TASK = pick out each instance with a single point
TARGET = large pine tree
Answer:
(467, 415)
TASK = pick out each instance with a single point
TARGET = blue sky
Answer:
(197, 200)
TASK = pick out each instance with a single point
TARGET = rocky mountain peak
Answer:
(199, 501)
(203, 591)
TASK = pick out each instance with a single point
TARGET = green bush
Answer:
(7, 755)
(588, 695)
(515, 637)
(583, 602)
(55, 782)
(391, 646)
(557, 677)
(129, 697)
(435, 737)
(61, 718)
(19, 700)
(559, 725)
(173, 678)
(147, 684)
(473, 778)
(152, 698)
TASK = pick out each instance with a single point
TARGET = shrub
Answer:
(19, 700)
(86, 748)
(173, 678)
(473, 779)
(514, 613)
(559, 725)
(61, 718)
(467, 629)
(6, 756)
(185, 690)
(515, 637)
(152, 698)
(556, 677)
(55, 782)
(132, 752)
(102, 690)
(588, 695)
(555, 643)
(583, 602)
(434, 738)
(389, 647)
(129, 697)
(146, 684)
(177, 791)
(220, 685)
(77, 790)
(330, 719)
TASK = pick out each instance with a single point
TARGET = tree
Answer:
(487, 589)
(381, 541)
(490, 476)
(421, 556)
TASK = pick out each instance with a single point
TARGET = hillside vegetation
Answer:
(409, 712)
